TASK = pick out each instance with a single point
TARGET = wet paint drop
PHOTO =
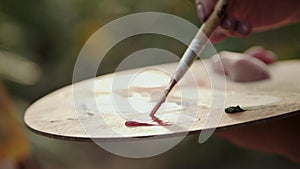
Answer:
(155, 122)
(234, 109)
(136, 123)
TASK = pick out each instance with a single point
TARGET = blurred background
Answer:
(39, 43)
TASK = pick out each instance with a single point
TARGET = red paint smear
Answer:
(155, 119)
(158, 122)
(129, 123)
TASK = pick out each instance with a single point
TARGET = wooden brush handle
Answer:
(198, 43)
(215, 18)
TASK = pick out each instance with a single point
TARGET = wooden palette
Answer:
(98, 108)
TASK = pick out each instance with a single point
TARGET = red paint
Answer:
(155, 122)
(136, 123)
(155, 119)
(160, 122)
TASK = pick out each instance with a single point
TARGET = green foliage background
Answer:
(45, 37)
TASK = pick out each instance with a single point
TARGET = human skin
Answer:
(246, 16)
(279, 136)
(245, 67)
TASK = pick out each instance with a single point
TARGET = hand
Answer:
(245, 67)
(245, 16)
(278, 136)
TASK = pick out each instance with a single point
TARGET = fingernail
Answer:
(228, 23)
(201, 12)
(243, 28)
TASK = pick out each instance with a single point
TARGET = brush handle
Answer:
(215, 18)
(200, 39)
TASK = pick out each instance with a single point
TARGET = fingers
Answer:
(204, 8)
(234, 27)
(250, 66)
(243, 28)
(256, 136)
(241, 67)
(229, 23)
(267, 56)
(230, 26)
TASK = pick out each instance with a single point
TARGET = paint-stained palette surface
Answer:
(99, 107)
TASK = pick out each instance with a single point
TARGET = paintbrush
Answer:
(194, 50)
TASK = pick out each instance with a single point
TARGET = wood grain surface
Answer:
(98, 108)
